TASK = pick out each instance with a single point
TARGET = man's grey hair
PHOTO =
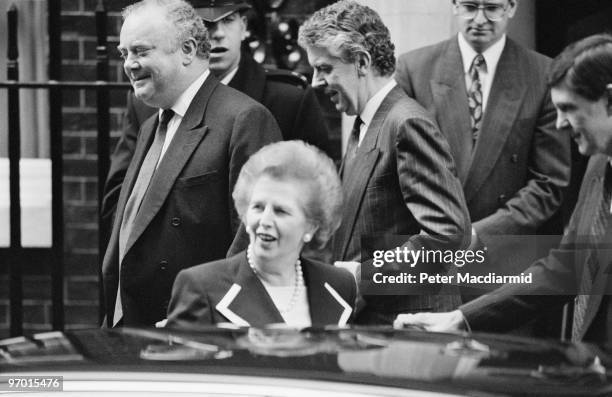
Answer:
(183, 17)
(350, 29)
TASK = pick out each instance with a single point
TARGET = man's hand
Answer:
(352, 267)
(438, 322)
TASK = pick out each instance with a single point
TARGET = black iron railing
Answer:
(16, 256)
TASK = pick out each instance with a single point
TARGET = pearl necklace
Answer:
(297, 288)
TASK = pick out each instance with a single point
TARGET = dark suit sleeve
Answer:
(253, 129)
(554, 284)
(189, 307)
(430, 189)
(549, 175)
(120, 160)
(513, 305)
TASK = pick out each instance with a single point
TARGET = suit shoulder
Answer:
(405, 107)
(286, 77)
(209, 271)
(330, 273)
(422, 56)
(239, 101)
(540, 61)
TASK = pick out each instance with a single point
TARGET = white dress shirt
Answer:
(372, 106)
(491, 56)
(180, 108)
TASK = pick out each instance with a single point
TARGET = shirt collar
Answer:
(228, 77)
(374, 103)
(182, 103)
(491, 54)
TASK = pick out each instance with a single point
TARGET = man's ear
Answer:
(189, 49)
(364, 62)
(608, 95)
(245, 27)
(512, 6)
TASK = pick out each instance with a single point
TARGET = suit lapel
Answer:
(326, 304)
(450, 98)
(596, 192)
(601, 278)
(189, 134)
(247, 302)
(355, 180)
(145, 139)
(507, 91)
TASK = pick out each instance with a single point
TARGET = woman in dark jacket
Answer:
(289, 197)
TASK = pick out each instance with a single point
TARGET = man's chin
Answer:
(150, 102)
(144, 96)
(342, 109)
(217, 68)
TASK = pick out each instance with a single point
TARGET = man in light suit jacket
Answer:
(513, 165)
(182, 215)
(398, 175)
(581, 81)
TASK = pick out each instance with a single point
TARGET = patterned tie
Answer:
(475, 96)
(353, 143)
(147, 169)
(598, 229)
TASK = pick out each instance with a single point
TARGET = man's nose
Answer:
(480, 16)
(318, 80)
(129, 63)
(216, 31)
(561, 122)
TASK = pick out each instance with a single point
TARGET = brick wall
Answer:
(80, 153)
(80, 162)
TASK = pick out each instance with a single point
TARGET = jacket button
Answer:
(163, 265)
(502, 198)
(514, 158)
(175, 221)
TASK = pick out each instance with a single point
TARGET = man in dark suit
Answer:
(290, 100)
(397, 174)
(581, 81)
(512, 163)
(174, 209)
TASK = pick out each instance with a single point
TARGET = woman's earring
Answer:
(307, 237)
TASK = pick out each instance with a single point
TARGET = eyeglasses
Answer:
(493, 12)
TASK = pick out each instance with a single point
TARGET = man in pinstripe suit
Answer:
(398, 174)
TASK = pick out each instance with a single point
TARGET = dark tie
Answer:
(475, 96)
(147, 169)
(591, 268)
(353, 142)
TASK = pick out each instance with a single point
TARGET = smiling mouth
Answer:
(267, 238)
(139, 78)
